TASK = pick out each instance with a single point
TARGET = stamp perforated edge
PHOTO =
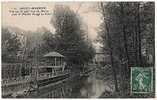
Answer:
(151, 68)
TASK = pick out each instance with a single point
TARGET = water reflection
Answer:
(93, 87)
(80, 87)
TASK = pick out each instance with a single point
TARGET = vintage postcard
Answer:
(78, 49)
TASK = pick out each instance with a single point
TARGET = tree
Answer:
(49, 41)
(71, 36)
(38, 43)
(10, 46)
(147, 18)
(106, 35)
(124, 32)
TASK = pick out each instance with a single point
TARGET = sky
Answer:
(86, 11)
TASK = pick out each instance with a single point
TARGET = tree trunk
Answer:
(114, 72)
(110, 48)
(139, 36)
(124, 38)
(112, 61)
(136, 46)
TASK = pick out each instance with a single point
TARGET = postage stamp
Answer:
(141, 80)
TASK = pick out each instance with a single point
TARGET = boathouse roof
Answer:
(53, 54)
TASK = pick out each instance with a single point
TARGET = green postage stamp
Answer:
(141, 79)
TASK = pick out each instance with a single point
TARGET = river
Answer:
(77, 87)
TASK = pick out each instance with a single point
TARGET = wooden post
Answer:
(60, 61)
(55, 61)
(52, 72)
(20, 70)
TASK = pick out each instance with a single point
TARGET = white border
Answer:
(78, 0)
(87, 1)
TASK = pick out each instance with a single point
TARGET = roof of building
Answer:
(53, 54)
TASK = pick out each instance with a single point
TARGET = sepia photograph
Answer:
(77, 49)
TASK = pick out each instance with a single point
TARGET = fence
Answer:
(16, 77)
(51, 75)
(16, 73)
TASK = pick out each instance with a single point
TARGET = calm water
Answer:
(78, 87)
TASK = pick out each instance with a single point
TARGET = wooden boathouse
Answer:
(53, 70)
(54, 65)
(16, 78)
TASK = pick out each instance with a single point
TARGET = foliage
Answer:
(125, 31)
(71, 36)
(10, 46)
